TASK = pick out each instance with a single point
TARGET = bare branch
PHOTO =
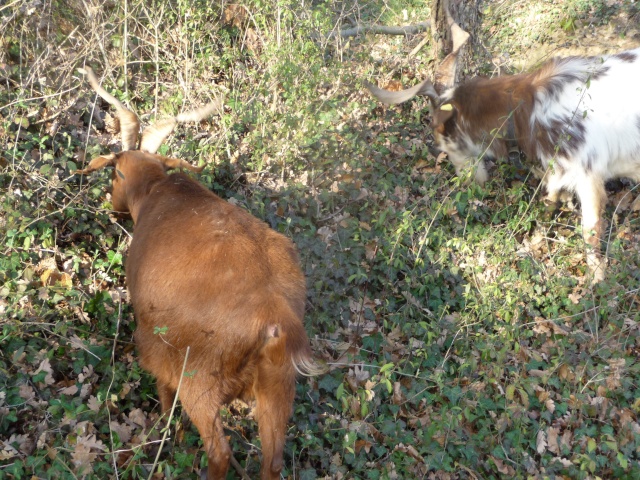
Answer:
(381, 29)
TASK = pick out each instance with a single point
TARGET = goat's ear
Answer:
(442, 113)
(100, 162)
(170, 162)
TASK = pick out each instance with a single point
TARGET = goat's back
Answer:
(596, 102)
(206, 274)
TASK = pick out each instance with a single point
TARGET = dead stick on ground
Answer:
(422, 43)
(239, 468)
(382, 30)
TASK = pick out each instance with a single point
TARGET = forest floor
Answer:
(463, 338)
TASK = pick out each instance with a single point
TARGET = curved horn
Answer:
(201, 113)
(129, 123)
(154, 135)
(446, 73)
(170, 162)
(393, 98)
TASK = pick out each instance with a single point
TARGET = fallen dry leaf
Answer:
(93, 403)
(85, 453)
(502, 467)
(552, 440)
(541, 442)
(45, 366)
(123, 430)
(71, 390)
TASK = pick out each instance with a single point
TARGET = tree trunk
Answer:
(465, 13)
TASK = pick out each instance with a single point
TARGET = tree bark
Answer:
(440, 32)
(464, 13)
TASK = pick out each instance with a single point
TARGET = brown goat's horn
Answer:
(201, 113)
(154, 135)
(129, 123)
(393, 98)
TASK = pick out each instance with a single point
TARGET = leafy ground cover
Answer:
(462, 336)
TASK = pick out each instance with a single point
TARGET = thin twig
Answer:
(113, 361)
(42, 97)
(124, 48)
(173, 407)
(10, 5)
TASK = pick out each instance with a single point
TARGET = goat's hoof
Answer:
(204, 473)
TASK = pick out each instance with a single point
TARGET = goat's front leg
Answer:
(592, 195)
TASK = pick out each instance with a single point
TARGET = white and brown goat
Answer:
(578, 116)
(218, 296)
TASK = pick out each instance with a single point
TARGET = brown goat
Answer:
(217, 290)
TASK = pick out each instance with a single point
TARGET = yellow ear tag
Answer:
(447, 107)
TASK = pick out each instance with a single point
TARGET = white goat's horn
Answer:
(393, 98)
(447, 71)
(129, 123)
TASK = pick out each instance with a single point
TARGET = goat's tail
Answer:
(309, 366)
(288, 341)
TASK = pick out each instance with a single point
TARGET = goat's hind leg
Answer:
(555, 185)
(197, 400)
(166, 395)
(274, 391)
(592, 194)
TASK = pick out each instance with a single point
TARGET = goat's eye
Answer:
(120, 174)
